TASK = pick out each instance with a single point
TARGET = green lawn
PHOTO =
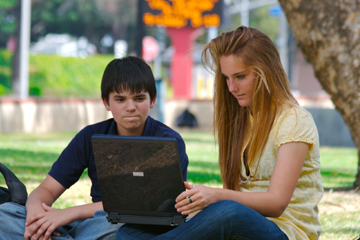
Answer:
(338, 165)
(30, 156)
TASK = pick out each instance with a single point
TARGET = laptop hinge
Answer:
(113, 217)
(176, 220)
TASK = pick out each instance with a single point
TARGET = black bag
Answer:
(186, 119)
(16, 191)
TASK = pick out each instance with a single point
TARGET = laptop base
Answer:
(176, 220)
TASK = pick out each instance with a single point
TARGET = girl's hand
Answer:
(195, 198)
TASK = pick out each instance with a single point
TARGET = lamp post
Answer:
(24, 49)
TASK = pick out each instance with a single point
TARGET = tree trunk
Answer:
(15, 80)
(328, 34)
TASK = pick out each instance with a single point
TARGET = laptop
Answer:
(139, 179)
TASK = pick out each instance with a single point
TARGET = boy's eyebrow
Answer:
(140, 95)
(137, 95)
(118, 96)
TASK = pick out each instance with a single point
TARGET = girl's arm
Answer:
(289, 162)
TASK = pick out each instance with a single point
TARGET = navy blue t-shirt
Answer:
(78, 155)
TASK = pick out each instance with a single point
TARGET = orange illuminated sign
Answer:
(183, 13)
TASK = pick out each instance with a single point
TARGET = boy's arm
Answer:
(42, 220)
(184, 161)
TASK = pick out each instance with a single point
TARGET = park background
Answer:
(71, 43)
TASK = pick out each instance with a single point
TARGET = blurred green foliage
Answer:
(8, 22)
(79, 18)
(260, 19)
(55, 76)
(5, 72)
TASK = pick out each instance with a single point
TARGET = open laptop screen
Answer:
(138, 175)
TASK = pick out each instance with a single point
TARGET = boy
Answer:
(128, 91)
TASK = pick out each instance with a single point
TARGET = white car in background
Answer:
(63, 45)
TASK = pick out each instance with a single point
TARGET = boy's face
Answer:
(130, 111)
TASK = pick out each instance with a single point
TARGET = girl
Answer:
(268, 152)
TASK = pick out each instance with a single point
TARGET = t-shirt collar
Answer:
(113, 128)
(148, 127)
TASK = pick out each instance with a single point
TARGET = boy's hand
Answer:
(36, 213)
(43, 225)
(30, 213)
(43, 220)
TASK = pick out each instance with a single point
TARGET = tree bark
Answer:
(328, 34)
(15, 81)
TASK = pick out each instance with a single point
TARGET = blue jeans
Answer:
(12, 225)
(222, 220)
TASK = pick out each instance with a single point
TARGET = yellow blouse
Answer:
(300, 219)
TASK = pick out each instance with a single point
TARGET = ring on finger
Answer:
(190, 200)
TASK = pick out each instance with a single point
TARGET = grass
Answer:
(30, 156)
(339, 166)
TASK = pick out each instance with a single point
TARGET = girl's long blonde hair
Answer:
(238, 138)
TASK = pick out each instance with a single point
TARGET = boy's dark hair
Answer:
(128, 74)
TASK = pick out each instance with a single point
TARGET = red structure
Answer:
(182, 60)
(185, 21)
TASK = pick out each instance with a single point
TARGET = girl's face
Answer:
(240, 79)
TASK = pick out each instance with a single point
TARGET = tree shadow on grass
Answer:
(328, 175)
(333, 176)
(344, 230)
(204, 177)
(26, 157)
(205, 165)
(27, 165)
(189, 140)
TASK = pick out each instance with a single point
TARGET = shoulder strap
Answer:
(17, 189)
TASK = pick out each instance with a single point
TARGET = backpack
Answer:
(16, 191)
(186, 119)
